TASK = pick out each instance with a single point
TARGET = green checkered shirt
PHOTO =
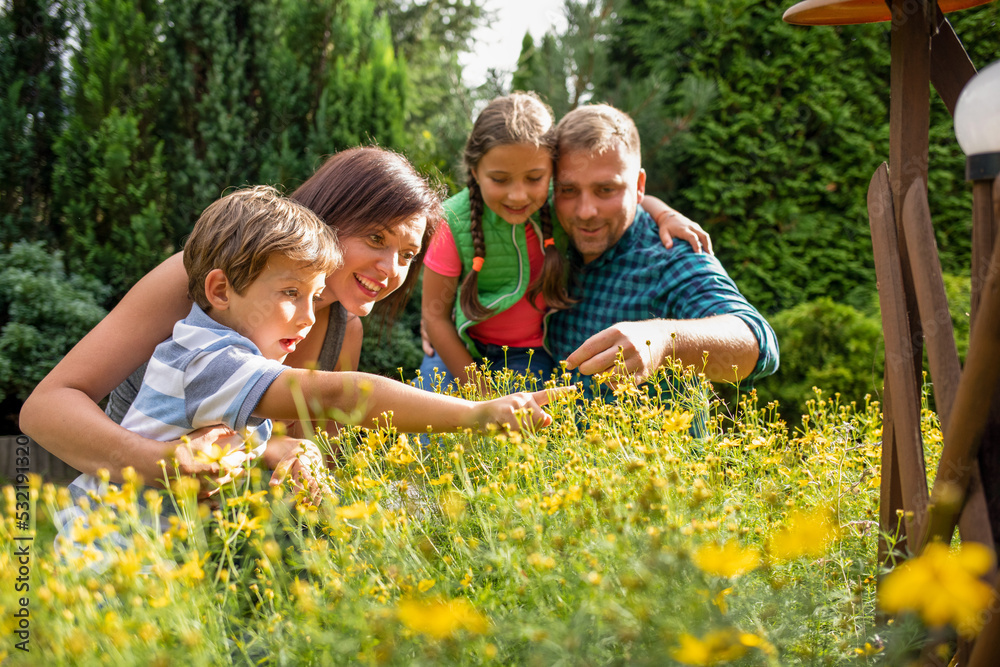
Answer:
(638, 279)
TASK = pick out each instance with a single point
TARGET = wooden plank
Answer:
(987, 646)
(976, 389)
(942, 355)
(904, 400)
(909, 124)
(890, 491)
(951, 67)
(983, 239)
(935, 317)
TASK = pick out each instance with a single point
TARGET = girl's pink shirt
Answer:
(521, 325)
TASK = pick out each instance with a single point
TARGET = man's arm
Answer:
(731, 347)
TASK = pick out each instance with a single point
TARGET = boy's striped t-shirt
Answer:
(205, 374)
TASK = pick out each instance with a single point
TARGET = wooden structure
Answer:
(925, 50)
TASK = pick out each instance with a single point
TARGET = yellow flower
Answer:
(425, 585)
(715, 647)
(729, 560)
(807, 534)
(677, 421)
(401, 453)
(359, 510)
(440, 618)
(943, 586)
(443, 479)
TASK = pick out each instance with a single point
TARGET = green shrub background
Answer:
(122, 119)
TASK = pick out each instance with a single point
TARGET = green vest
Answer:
(506, 273)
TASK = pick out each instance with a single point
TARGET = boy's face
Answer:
(278, 309)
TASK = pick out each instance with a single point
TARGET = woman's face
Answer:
(514, 180)
(375, 265)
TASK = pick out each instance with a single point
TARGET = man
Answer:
(651, 302)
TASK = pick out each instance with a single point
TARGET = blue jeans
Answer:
(516, 359)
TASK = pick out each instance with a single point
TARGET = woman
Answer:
(385, 214)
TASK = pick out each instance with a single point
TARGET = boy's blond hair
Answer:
(239, 232)
(596, 128)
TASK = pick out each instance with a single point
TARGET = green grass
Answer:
(586, 543)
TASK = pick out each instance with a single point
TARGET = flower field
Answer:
(612, 537)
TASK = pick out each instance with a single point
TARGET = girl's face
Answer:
(514, 180)
(375, 265)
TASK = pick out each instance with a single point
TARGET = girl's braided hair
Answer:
(518, 118)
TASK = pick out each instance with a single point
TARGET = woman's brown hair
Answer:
(518, 118)
(365, 190)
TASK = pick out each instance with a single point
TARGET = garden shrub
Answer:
(829, 345)
(43, 313)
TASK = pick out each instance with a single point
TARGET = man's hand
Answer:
(643, 345)
(297, 460)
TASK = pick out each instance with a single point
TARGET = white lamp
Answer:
(977, 124)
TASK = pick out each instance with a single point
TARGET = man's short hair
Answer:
(596, 128)
(239, 232)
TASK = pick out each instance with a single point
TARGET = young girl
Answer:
(505, 273)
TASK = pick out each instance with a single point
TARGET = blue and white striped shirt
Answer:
(203, 375)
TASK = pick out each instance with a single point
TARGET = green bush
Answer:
(828, 345)
(43, 313)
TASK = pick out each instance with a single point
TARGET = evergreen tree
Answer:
(429, 35)
(208, 114)
(778, 164)
(33, 37)
(110, 183)
(543, 69)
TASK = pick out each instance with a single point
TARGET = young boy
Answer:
(256, 264)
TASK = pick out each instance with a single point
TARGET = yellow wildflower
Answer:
(425, 585)
(443, 479)
(943, 586)
(439, 618)
(359, 510)
(401, 453)
(677, 421)
(728, 560)
(806, 534)
(717, 647)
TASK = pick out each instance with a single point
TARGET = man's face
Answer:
(596, 197)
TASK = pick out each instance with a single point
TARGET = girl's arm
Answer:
(370, 397)
(350, 349)
(437, 304)
(673, 223)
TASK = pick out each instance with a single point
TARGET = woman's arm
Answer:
(62, 413)
(673, 223)
(437, 304)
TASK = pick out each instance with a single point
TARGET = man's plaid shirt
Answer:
(638, 279)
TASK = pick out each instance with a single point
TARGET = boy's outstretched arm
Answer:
(412, 409)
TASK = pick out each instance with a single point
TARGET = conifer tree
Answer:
(110, 183)
(32, 40)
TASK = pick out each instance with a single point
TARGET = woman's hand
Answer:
(297, 460)
(214, 455)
